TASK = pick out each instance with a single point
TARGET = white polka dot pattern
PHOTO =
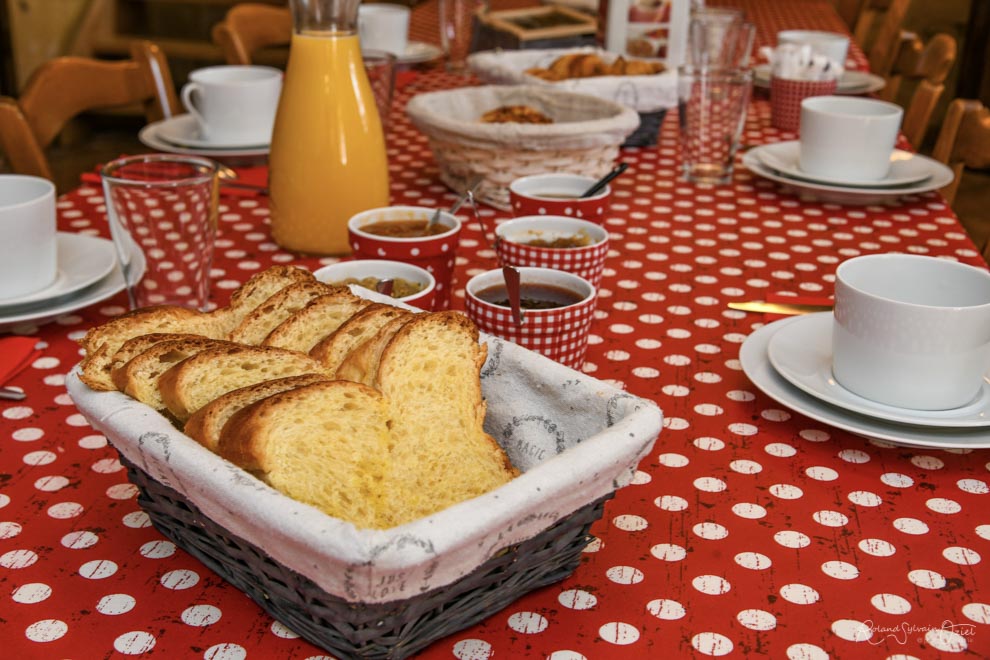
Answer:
(750, 529)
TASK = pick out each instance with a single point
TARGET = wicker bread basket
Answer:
(583, 139)
(649, 95)
(575, 440)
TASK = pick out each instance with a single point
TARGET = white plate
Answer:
(418, 52)
(151, 136)
(183, 131)
(41, 312)
(905, 167)
(851, 82)
(801, 352)
(81, 261)
(940, 176)
(756, 365)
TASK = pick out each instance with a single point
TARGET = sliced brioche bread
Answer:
(361, 364)
(286, 302)
(302, 330)
(192, 383)
(429, 374)
(255, 291)
(137, 345)
(206, 424)
(101, 343)
(324, 444)
(138, 377)
(333, 349)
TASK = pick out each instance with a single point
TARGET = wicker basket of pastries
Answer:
(501, 132)
(360, 470)
(645, 85)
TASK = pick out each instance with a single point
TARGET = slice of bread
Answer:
(137, 345)
(263, 319)
(192, 383)
(302, 330)
(323, 444)
(206, 424)
(101, 343)
(138, 377)
(429, 374)
(333, 349)
(255, 291)
(361, 364)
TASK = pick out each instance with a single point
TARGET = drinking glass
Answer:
(457, 31)
(712, 109)
(162, 211)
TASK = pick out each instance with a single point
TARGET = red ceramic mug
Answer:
(435, 253)
(558, 194)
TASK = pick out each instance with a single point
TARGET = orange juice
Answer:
(327, 159)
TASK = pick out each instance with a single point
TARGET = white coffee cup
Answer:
(28, 248)
(233, 104)
(848, 137)
(911, 331)
(383, 26)
(833, 45)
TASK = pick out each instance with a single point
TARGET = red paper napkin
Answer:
(800, 300)
(16, 353)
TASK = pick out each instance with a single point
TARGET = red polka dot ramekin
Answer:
(434, 253)
(558, 194)
(512, 236)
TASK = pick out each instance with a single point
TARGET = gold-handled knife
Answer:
(778, 308)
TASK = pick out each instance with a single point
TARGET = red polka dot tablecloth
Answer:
(749, 530)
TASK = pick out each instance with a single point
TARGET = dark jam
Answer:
(404, 228)
(532, 296)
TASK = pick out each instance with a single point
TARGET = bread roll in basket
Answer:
(584, 137)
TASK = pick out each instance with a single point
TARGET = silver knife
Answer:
(778, 308)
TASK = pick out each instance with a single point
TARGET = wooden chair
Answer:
(963, 141)
(928, 65)
(65, 87)
(878, 32)
(250, 27)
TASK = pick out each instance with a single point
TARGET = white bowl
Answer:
(381, 268)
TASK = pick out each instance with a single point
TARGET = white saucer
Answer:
(802, 354)
(905, 167)
(850, 82)
(41, 312)
(756, 365)
(81, 261)
(418, 52)
(151, 136)
(184, 131)
(940, 176)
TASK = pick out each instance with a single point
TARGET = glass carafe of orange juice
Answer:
(327, 159)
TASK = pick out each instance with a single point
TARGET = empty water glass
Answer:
(712, 109)
(719, 38)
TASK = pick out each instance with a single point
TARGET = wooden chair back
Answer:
(250, 27)
(928, 65)
(963, 141)
(878, 31)
(65, 87)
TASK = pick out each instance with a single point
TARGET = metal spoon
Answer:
(602, 182)
(228, 178)
(10, 394)
(435, 218)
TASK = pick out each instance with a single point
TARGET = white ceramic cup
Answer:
(383, 26)
(28, 249)
(234, 105)
(833, 45)
(848, 137)
(911, 331)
